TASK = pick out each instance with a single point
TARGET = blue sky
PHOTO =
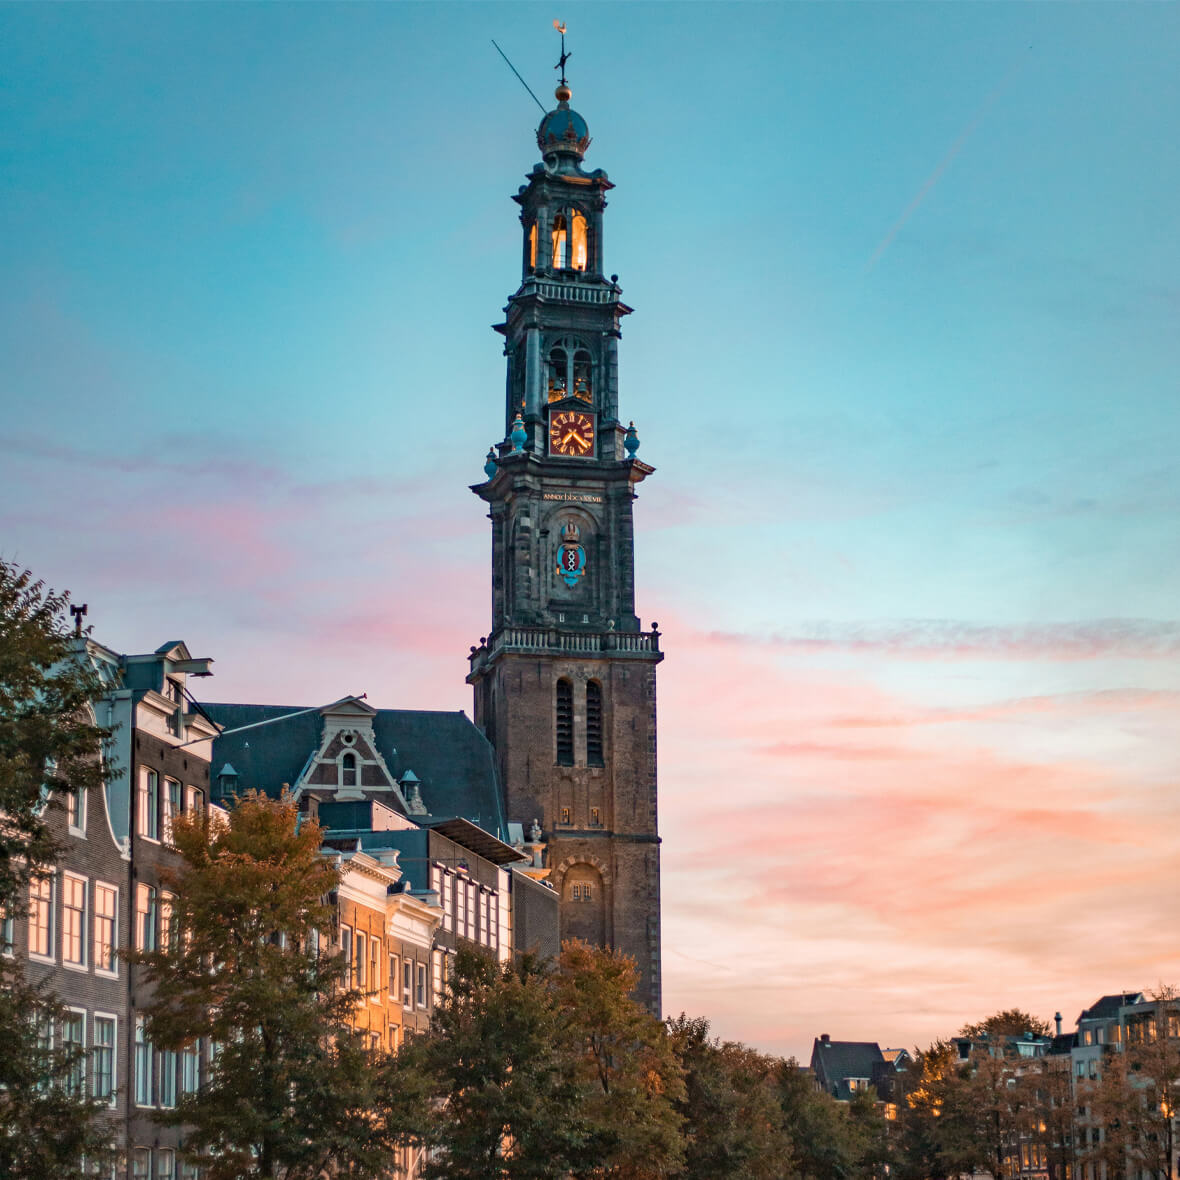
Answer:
(904, 355)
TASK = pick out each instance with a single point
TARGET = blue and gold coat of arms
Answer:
(571, 557)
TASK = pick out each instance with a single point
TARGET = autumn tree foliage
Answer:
(292, 1091)
(49, 743)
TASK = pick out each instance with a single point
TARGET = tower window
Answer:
(557, 374)
(578, 241)
(582, 375)
(560, 243)
(594, 724)
(348, 770)
(533, 246)
(565, 723)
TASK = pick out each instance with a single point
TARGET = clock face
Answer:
(571, 433)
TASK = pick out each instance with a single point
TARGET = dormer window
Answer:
(348, 770)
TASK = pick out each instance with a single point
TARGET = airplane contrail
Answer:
(943, 164)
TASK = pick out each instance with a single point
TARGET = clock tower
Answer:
(565, 682)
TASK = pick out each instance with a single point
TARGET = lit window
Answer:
(560, 243)
(41, 916)
(578, 242)
(102, 1059)
(595, 817)
(533, 246)
(565, 815)
(564, 724)
(145, 917)
(106, 928)
(73, 920)
(147, 810)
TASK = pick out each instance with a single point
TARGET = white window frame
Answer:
(150, 925)
(111, 972)
(81, 1077)
(190, 1058)
(113, 1048)
(142, 1054)
(421, 985)
(77, 794)
(395, 976)
(147, 806)
(360, 953)
(165, 1154)
(374, 969)
(138, 1155)
(80, 964)
(346, 945)
(168, 812)
(408, 984)
(50, 908)
(166, 917)
(191, 797)
(167, 1084)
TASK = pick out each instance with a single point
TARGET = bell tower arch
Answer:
(565, 682)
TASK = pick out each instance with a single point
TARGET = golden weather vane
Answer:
(559, 25)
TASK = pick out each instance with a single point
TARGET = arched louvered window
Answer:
(594, 724)
(582, 376)
(533, 246)
(348, 770)
(557, 374)
(564, 719)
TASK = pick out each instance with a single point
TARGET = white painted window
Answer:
(420, 985)
(190, 1069)
(76, 810)
(408, 983)
(73, 920)
(103, 1058)
(165, 1163)
(145, 917)
(173, 796)
(41, 916)
(73, 1042)
(143, 1065)
(106, 928)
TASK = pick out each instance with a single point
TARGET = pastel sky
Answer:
(905, 357)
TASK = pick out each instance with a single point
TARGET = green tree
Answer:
(626, 1064)
(491, 1089)
(48, 743)
(1012, 1022)
(733, 1124)
(292, 1091)
(816, 1125)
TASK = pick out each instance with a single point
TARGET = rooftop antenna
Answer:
(559, 25)
(518, 77)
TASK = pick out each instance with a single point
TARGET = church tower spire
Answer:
(565, 682)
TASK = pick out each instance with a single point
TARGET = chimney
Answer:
(1057, 1018)
(827, 1040)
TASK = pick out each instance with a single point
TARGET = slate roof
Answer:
(1108, 1007)
(834, 1062)
(450, 756)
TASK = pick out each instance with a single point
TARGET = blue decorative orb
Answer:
(489, 467)
(518, 435)
(631, 441)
